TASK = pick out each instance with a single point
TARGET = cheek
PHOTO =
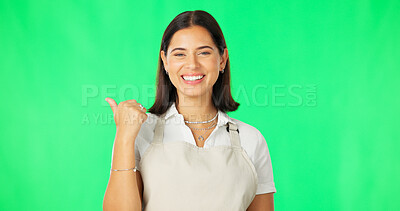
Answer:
(213, 63)
(175, 65)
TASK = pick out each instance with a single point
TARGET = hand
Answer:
(128, 115)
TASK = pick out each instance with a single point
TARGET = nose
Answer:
(192, 61)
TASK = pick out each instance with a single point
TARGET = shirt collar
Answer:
(223, 118)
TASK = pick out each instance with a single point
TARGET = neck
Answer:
(196, 108)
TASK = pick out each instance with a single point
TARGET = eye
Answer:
(178, 54)
(205, 53)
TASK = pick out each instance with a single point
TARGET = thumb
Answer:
(112, 103)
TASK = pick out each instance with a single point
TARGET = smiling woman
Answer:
(189, 154)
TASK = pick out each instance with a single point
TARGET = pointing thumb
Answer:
(112, 103)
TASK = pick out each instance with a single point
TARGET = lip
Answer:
(192, 82)
(192, 74)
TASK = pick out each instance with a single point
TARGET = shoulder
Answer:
(255, 145)
(252, 140)
(247, 131)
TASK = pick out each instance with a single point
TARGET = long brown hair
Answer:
(166, 93)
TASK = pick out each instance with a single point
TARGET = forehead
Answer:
(191, 38)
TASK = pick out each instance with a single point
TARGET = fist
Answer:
(129, 115)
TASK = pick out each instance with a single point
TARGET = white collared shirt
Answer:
(251, 140)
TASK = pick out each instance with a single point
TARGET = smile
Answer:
(193, 79)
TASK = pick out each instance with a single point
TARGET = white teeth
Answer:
(193, 78)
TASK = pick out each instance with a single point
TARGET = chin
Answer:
(193, 93)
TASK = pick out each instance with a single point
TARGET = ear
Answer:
(164, 60)
(224, 59)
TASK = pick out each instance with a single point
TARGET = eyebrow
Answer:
(201, 47)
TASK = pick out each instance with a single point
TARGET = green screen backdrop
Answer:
(320, 80)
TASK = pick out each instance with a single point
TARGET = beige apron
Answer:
(180, 176)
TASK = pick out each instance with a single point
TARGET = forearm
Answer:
(122, 192)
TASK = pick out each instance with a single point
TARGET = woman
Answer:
(189, 154)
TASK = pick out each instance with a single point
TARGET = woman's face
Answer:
(193, 62)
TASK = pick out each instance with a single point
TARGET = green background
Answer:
(320, 80)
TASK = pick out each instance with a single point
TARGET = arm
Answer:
(262, 202)
(124, 190)
(263, 165)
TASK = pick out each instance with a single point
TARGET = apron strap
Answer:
(159, 129)
(234, 133)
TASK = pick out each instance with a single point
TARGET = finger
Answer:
(142, 108)
(143, 118)
(112, 104)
